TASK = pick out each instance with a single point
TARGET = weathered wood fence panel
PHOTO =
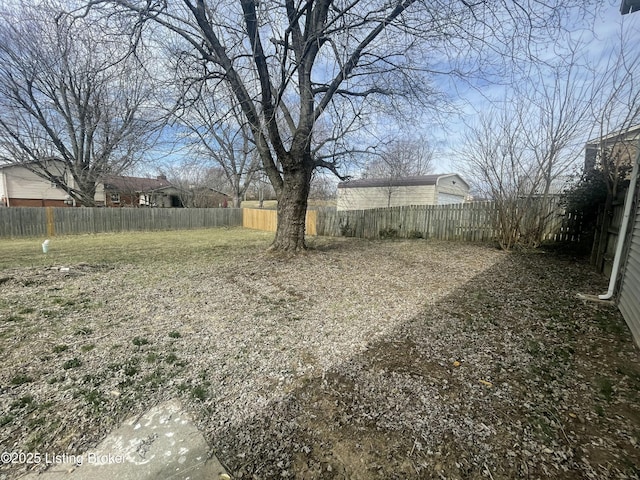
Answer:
(604, 244)
(23, 222)
(469, 221)
(475, 221)
(48, 221)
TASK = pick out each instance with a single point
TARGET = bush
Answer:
(388, 232)
(346, 230)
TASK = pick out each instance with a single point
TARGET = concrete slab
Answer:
(162, 444)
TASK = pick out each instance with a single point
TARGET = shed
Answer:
(438, 189)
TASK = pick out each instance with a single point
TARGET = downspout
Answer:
(623, 229)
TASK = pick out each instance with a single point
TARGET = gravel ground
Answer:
(398, 359)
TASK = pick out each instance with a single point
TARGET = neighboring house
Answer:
(120, 191)
(23, 187)
(629, 6)
(620, 147)
(205, 197)
(391, 192)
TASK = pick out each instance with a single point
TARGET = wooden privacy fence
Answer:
(474, 221)
(470, 221)
(49, 221)
(267, 220)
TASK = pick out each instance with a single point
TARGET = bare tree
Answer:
(323, 188)
(219, 136)
(289, 64)
(197, 183)
(69, 94)
(403, 157)
(493, 152)
(540, 128)
(615, 111)
(553, 112)
(556, 116)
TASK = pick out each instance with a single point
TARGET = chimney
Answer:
(162, 177)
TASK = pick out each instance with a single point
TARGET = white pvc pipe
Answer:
(623, 229)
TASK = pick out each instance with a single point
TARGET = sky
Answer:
(598, 43)
(469, 96)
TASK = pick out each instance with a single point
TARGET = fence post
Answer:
(51, 225)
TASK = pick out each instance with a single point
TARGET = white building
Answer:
(368, 193)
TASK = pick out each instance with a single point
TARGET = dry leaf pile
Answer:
(398, 359)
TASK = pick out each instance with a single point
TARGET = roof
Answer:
(627, 134)
(134, 184)
(417, 180)
(30, 163)
(629, 6)
(209, 189)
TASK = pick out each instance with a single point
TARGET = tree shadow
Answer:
(496, 380)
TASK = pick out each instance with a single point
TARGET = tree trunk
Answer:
(292, 210)
(86, 195)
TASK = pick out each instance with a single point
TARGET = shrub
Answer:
(73, 363)
(346, 230)
(388, 232)
(139, 341)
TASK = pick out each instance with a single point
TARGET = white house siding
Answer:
(418, 190)
(451, 189)
(100, 196)
(449, 198)
(23, 183)
(382, 197)
(629, 300)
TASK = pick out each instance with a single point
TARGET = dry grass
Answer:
(398, 359)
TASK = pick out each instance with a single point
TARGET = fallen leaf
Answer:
(488, 384)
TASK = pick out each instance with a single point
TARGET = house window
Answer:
(115, 198)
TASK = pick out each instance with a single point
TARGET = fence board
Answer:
(267, 220)
(40, 222)
(470, 221)
(474, 221)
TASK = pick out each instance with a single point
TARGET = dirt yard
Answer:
(359, 360)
